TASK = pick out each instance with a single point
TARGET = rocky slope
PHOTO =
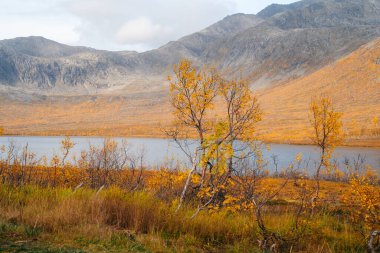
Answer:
(298, 39)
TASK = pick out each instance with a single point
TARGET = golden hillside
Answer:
(353, 82)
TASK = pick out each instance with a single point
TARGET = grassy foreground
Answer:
(60, 219)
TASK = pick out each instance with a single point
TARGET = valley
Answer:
(352, 82)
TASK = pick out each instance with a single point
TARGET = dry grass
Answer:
(60, 211)
(116, 220)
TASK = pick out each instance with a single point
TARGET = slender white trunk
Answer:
(188, 180)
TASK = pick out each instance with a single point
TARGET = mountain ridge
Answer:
(279, 43)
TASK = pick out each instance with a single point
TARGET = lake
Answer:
(163, 151)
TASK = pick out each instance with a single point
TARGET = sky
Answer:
(138, 25)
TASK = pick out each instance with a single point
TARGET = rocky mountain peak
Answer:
(38, 46)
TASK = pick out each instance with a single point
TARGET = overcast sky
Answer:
(117, 24)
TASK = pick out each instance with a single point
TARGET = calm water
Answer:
(164, 152)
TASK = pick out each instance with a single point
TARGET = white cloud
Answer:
(117, 24)
(140, 30)
(130, 24)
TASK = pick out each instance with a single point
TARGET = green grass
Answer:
(23, 238)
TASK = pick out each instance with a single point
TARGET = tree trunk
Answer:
(188, 180)
(372, 247)
(317, 178)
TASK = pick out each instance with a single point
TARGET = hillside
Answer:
(353, 82)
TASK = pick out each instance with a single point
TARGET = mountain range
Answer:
(287, 52)
(279, 43)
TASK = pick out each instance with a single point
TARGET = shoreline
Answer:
(346, 144)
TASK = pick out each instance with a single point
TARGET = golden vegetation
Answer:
(351, 82)
(94, 204)
(327, 133)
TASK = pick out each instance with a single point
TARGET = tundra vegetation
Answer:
(224, 200)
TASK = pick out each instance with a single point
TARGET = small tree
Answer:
(192, 96)
(66, 145)
(375, 121)
(327, 128)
